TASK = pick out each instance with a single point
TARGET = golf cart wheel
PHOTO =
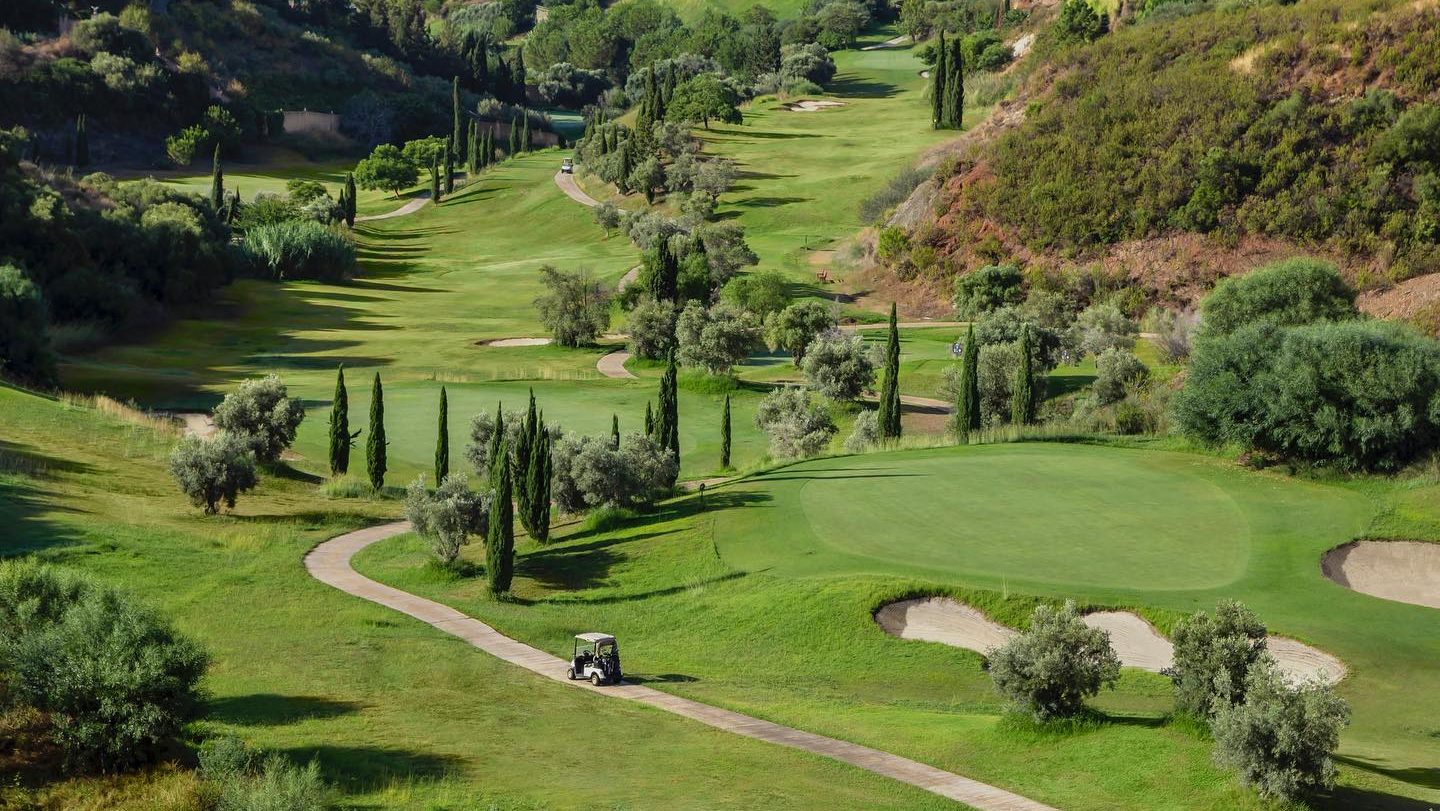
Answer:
(570, 673)
(595, 679)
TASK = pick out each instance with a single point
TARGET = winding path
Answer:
(613, 365)
(893, 42)
(567, 184)
(330, 563)
(416, 203)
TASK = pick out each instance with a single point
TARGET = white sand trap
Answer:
(198, 424)
(811, 106)
(1404, 571)
(941, 619)
(1136, 642)
(504, 342)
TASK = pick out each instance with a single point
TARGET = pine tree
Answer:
(889, 416)
(615, 431)
(1022, 391)
(649, 420)
(500, 540)
(442, 440)
(217, 182)
(82, 142)
(449, 167)
(455, 118)
(350, 199)
(725, 434)
(435, 182)
(967, 405)
(340, 436)
(938, 75)
(375, 445)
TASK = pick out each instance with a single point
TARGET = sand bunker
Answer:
(809, 106)
(1404, 571)
(504, 342)
(1136, 642)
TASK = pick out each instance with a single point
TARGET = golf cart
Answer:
(597, 658)
(567, 167)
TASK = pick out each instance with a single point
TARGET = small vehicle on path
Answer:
(567, 166)
(595, 657)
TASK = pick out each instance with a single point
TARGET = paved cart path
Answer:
(416, 203)
(567, 184)
(330, 563)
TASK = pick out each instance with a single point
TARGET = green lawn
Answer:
(763, 603)
(399, 715)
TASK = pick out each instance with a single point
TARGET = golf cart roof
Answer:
(595, 638)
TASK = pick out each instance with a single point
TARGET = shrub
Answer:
(893, 244)
(448, 517)
(796, 425)
(761, 293)
(866, 433)
(1117, 372)
(1100, 327)
(482, 433)
(986, 289)
(24, 333)
(1050, 668)
(1174, 333)
(229, 768)
(716, 338)
(839, 366)
(1213, 656)
(261, 414)
(607, 216)
(1287, 293)
(894, 193)
(651, 327)
(300, 249)
(590, 472)
(575, 308)
(793, 328)
(806, 63)
(212, 472)
(1078, 22)
(1280, 738)
(114, 680)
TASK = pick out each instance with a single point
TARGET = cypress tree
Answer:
(472, 150)
(649, 420)
(725, 434)
(967, 406)
(499, 435)
(449, 167)
(82, 142)
(344, 204)
(1022, 391)
(217, 182)
(455, 132)
(375, 445)
(518, 71)
(938, 75)
(442, 440)
(435, 182)
(524, 448)
(340, 436)
(500, 540)
(615, 431)
(889, 416)
(514, 137)
(537, 477)
(350, 199)
(525, 134)
(954, 101)
(667, 427)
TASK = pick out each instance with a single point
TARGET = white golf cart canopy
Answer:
(594, 638)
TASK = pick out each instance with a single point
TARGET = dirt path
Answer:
(416, 203)
(613, 365)
(572, 190)
(903, 325)
(330, 563)
(894, 42)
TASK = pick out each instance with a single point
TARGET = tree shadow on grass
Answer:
(1349, 797)
(862, 88)
(769, 136)
(363, 769)
(770, 202)
(368, 284)
(270, 709)
(26, 529)
(1424, 776)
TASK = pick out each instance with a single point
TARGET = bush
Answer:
(1213, 656)
(796, 425)
(114, 680)
(24, 333)
(448, 517)
(1117, 371)
(299, 249)
(1174, 333)
(866, 433)
(1100, 327)
(1050, 668)
(590, 472)
(839, 366)
(575, 308)
(1287, 293)
(761, 293)
(229, 768)
(651, 327)
(716, 338)
(1357, 395)
(806, 63)
(986, 289)
(1280, 738)
(261, 414)
(212, 472)
(482, 431)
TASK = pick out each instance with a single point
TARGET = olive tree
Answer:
(590, 471)
(865, 434)
(715, 338)
(575, 307)
(1054, 665)
(839, 366)
(651, 329)
(212, 472)
(448, 517)
(261, 414)
(1213, 655)
(793, 328)
(1103, 326)
(387, 169)
(796, 424)
(1280, 738)
(1117, 371)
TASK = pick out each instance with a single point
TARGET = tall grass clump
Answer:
(894, 193)
(299, 249)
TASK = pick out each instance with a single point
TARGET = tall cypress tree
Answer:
(525, 133)
(500, 540)
(449, 167)
(472, 150)
(82, 141)
(375, 444)
(497, 438)
(938, 75)
(435, 181)
(667, 427)
(954, 103)
(217, 182)
(514, 137)
(1022, 391)
(340, 436)
(725, 434)
(524, 447)
(350, 199)
(442, 440)
(537, 478)
(649, 420)
(542, 501)
(889, 416)
(455, 118)
(615, 431)
(967, 405)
